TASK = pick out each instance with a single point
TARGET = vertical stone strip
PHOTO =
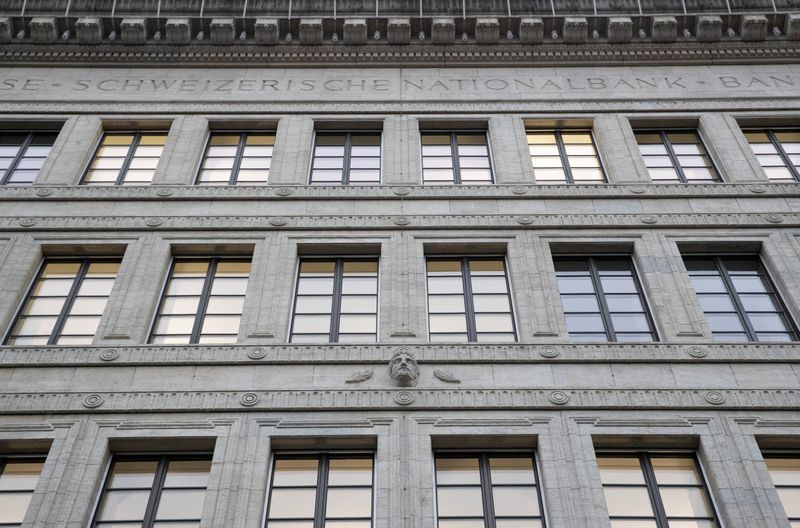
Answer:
(72, 151)
(401, 151)
(618, 149)
(291, 162)
(729, 149)
(182, 152)
(509, 150)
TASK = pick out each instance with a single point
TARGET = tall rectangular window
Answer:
(450, 158)
(65, 304)
(564, 156)
(738, 299)
(240, 158)
(673, 156)
(602, 299)
(321, 491)
(18, 478)
(469, 299)
(784, 468)
(487, 490)
(22, 154)
(202, 302)
(655, 490)
(345, 158)
(154, 492)
(778, 152)
(336, 301)
(126, 158)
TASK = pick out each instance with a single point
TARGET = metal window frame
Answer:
(323, 466)
(455, 156)
(770, 132)
(22, 150)
(123, 171)
(469, 305)
(486, 486)
(663, 133)
(233, 179)
(163, 460)
(562, 152)
(785, 454)
(651, 483)
(347, 154)
(85, 262)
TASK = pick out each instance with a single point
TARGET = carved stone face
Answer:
(403, 368)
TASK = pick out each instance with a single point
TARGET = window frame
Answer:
(562, 153)
(469, 303)
(123, 171)
(346, 156)
(487, 498)
(770, 133)
(786, 454)
(85, 262)
(455, 156)
(663, 133)
(163, 460)
(233, 179)
(9, 171)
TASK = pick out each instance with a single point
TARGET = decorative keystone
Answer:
(222, 31)
(487, 31)
(664, 29)
(792, 29)
(179, 31)
(443, 31)
(531, 30)
(5, 29)
(355, 31)
(399, 31)
(43, 30)
(89, 31)
(709, 28)
(267, 31)
(134, 31)
(754, 28)
(575, 30)
(620, 30)
(311, 31)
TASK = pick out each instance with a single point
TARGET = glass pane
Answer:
(675, 470)
(620, 470)
(20, 475)
(457, 471)
(517, 470)
(461, 523)
(187, 473)
(349, 502)
(516, 501)
(348, 524)
(790, 497)
(124, 505)
(133, 474)
(296, 472)
(784, 471)
(459, 502)
(628, 502)
(13, 506)
(181, 504)
(518, 523)
(685, 502)
(350, 472)
(292, 503)
(622, 523)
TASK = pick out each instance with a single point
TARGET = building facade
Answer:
(355, 264)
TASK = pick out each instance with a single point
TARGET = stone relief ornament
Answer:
(92, 401)
(403, 368)
(715, 398)
(358, 377)
(446, 376)
(404, 398)
(27, 222)
(44, 191)
(277, 221)
(249, 399)
(548, 352)
(109, 354)
(697, 351)
(257, 353)
(283, 191)
(558, 397)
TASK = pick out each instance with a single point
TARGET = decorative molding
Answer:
(445, 376)
(92, 401)
(637, 422)
(359, 377)
(697, 351)
(257, 353)
(249, 399)
(558, 397)
(483, 422)
(110, 354)
(404, 398)
(715, 398)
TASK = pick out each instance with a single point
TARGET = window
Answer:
(497, 490)
(564, 156)
(469, 299)
(655, 490)
(321, 491)
(784, 468)
(126, 158)
(738, 299)
(237, 158)
(65, 303)
(154, 492)
(778, 152)
(455, 158)
(202, 302)
(346, 158)
(336, 301)
(673, 156)
(22, 155)
(602, 299)
(18, 477)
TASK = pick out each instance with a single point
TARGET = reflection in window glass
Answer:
(66, 303)
(237, 159)
(202, 302)
(655, 490)
(22, 155)
(450, 158)
(778, 152)
(346, 158)
(126, 158)
(738, 299)
(564, 156)
(602, 299)
(784, 468)
(336, 301)
(18, 478)
(479, 490)
(321, 491)
(469, 300)
(150, 492)
(676, 156)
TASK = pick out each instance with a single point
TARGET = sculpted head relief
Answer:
(403, 368)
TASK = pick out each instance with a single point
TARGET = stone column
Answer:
(619, 151)
(511, 160)
(19, 262)
(271, 274)
(401, 151)
(182, 152)
(72, 152)
(729, 149)
(292, 156)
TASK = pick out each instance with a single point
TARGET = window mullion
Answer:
(237, 161)
(336, 304)
(129, 158)
(601, 298)
(454, 154)
(741, 312)
(469, 305)
(672, 156)
(322, 491)
(562, 151)
(486, 491)
(155, 493)
(348, 147)
(652, 490)
(786, 159)
(76, 284)
(203, 303)
(20, 154)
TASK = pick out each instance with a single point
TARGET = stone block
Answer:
(5, 29)
(575, 30)
(620, 30)
(792, 29)
(223, 31)
(311, 31)
(444, 31)
(267, 31)
(355, 31)
(399, 31)
(179, 31)
(709, 28)
(531, 30)
(89, 30)
(754, 28)
(487, 31)
(664, 29)
(134, 31)
(43, 30)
